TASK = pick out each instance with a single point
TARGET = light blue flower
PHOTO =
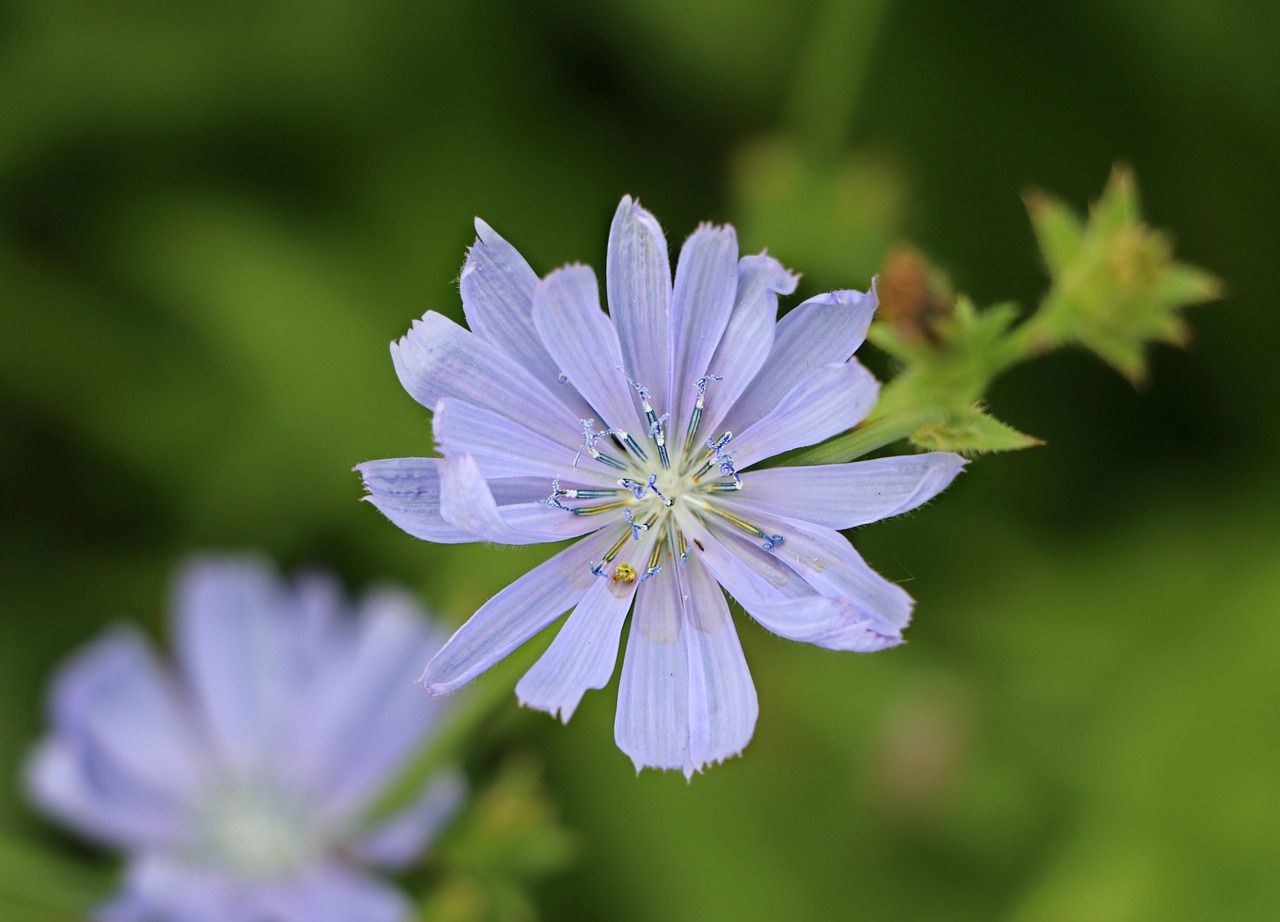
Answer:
(638, 431)
(237, 783)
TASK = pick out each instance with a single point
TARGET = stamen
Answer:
(588, 446)
(616, 549)
(597, 510)
(562, 378)
(655, 424)
(644, 392)
(695, 419)
(636, 527)
(636, 487)
(633, 446)
(554, 498)
(723, 486)
(770, 541)
(684, 549)
(653, 486)
(720, 457)
(654, 556)
(589, 494)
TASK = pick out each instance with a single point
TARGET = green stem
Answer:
(866, 438)
(831, 73)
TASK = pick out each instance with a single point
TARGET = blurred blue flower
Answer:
(237, 785)
(638, 430)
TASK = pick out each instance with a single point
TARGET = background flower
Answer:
(237, 784)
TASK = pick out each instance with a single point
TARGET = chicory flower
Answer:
(637, 431)
(237, 783)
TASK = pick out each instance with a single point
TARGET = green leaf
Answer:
(1116, 285)
(969, 431)
(1059, 230)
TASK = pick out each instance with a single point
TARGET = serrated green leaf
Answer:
(971, 431)
(1059, 231)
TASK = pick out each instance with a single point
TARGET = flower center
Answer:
(258, 831)
(654, 490)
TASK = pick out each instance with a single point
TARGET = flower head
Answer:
(638, 431)
(237, 784)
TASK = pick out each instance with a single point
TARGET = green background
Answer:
(215, 215)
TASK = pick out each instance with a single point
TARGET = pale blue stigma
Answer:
(652, 571)
(636, 527)
(695, 419)
(652, 486)
(554, 498)
(637, 488)
(588, 446)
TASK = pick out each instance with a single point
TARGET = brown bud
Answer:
(911, 298)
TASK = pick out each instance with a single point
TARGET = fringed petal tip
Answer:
(689, 768)
(562, 713)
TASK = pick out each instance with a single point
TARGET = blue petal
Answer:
(843, 496)
(833, 399)
(399, 840)
(781, 600)
(584, 343)
(364, 716)
(467, 502)
(704, 294)
(497, 299)
(652, 722)
(72, 782)
(748, 337)
(828, 562)
(638, 279)
(437, 359)
(822, 331)
(722, 697)
(407, 491)
(234, 626)
(515, 614)
(503, 448)
(123, 763)
(585, 651)
(333, 893)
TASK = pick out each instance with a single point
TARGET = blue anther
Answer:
(773, 542)
(598, 569)
(650, 572)
(636, 527)
(684, 557)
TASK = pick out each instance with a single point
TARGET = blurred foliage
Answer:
(214, 216)
(507, 839)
